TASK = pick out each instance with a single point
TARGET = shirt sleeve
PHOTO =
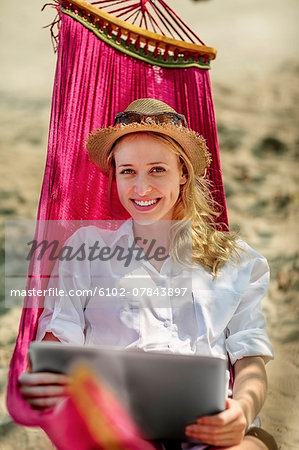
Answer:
(63, 313)
(246, 333)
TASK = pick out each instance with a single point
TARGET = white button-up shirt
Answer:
(172, 310)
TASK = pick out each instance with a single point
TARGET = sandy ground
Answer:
(256, 94)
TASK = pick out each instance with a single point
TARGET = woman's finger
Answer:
(220, 439)
(39, 378)
(43, 391)
(215, 430)
(221, 419)
(232, 414)
(43, 403)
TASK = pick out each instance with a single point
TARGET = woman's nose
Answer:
(142, 185)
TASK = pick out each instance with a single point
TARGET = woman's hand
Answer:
(43, 390)
(224, 429)
(228, 427)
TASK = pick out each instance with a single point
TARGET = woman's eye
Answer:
(158, 169)
(127, 171)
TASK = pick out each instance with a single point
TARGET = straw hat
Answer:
(148, 114)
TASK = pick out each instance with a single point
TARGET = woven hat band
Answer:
(149, 106)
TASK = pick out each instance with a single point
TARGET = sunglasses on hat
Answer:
(128, 117)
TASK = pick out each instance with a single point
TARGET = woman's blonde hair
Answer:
(211, 247)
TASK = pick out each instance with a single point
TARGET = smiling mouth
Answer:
(144, 203)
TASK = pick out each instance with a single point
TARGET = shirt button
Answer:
(167, 323)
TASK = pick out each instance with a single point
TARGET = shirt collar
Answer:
(170, 268)
(125, 230)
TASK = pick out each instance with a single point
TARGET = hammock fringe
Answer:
(55, 24)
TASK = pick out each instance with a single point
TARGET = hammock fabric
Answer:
(103, 64)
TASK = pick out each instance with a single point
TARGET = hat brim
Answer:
(100, 142)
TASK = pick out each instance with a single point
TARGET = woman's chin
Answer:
(144, 222)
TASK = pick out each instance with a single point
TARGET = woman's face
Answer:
(148, 177)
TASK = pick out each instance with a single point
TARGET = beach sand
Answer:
(256, 95)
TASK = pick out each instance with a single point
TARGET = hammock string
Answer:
(146, 27)
(128, 12)
(153, 20)
(110, 1)
(137, 43)
(127, 8)
(165, 22)
(179, 20)
(54, 26)
(141, 20)
(169, 19)
(135, 14)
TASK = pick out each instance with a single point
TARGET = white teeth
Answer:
(145, 203)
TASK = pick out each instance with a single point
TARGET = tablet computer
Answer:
(162, 392)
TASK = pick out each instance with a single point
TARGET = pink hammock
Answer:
(104, 64)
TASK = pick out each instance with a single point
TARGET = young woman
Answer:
(159, 165)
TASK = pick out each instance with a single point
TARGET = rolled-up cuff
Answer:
(66, 332)
(249, 343)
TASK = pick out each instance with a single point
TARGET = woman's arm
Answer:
(43, 390)
(50, 337)
(228, 427)
(250, 386)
